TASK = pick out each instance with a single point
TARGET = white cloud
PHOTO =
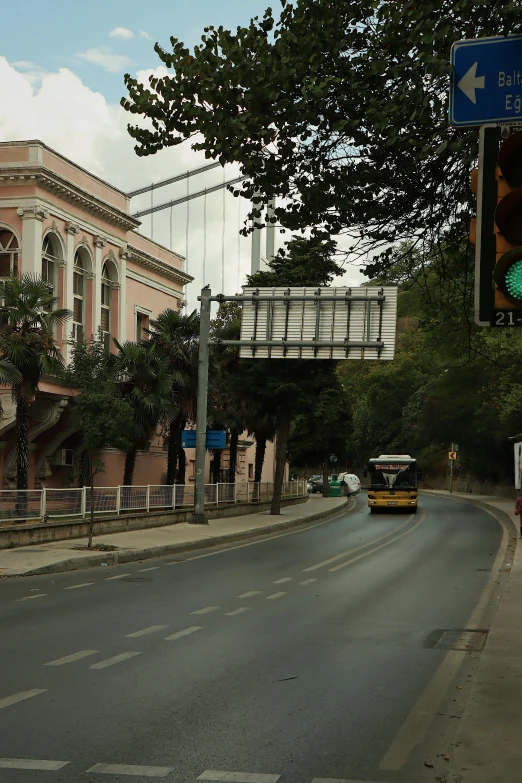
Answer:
(121, 32)
(105, 58)
(143, 34)
(81, 125)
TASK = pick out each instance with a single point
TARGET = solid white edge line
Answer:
(417, 724)
(381, 546)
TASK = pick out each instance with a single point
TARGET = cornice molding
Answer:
(147, 261)
(54, 183)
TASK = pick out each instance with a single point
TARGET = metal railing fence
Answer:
(45, 504)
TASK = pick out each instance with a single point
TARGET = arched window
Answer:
(79, 298)
(106, 307)
(49, 262)
(8, 253)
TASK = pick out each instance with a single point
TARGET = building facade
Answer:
(63, 223)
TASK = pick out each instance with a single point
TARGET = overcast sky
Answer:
(61, 71)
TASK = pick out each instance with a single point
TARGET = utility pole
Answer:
(199, 517)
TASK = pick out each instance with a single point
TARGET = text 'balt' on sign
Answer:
(487, 81)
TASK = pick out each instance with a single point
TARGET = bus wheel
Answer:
(373, 510)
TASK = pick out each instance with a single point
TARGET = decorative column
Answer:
(124, 257)
(99, 244)
(72, 229)
(32, 218)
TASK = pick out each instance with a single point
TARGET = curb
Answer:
(128, 556)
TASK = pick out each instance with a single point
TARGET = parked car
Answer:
(315, 484)
(353, 483)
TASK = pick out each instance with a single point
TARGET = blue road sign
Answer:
(216, 439)
(486, 85)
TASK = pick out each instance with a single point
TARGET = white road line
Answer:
(131, 769)
(250, 594)
(40, 764)
(357, 548)
(142, 570)
(145, 631)
(70, 658)
(381, 546)
(308, 581)
(76, 587)
(115, 659)
(274, 595)
(30, 597)
(206, 610)
(185, 632)
(284, 579)
(238, 777)
(238, 611)
(21, 696)
(119, 576)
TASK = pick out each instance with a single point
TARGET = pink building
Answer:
(59, 221)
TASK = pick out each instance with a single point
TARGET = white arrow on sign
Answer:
(471, 82)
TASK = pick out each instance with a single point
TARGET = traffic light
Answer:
(508, 219)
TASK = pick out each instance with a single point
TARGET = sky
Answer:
(61, 70)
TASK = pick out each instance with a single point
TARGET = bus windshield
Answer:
(389, 475)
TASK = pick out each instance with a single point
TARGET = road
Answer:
(309, 656)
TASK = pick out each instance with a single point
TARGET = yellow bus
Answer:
(392, 482)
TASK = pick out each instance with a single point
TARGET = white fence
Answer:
(46, 504)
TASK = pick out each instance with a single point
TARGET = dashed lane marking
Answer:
(76, 587)
(30, 597)
(119, 576)
(112, 661)
(284, 579)
(308, 581)
(238, 611)
(250, 594)
(274, 595)
(45, 765)
(339, 780)
(206, 610)
(131, 769)
(146, 631)
(21, 696)
(184, 632)
(238, 777)
(153, 568)
(71, 658)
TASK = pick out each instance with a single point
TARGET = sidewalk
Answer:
(158, 541)
(488, 747)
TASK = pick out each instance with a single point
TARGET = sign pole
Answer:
(199, 517)
(451, 471)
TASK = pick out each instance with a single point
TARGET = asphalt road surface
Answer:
(318, 655)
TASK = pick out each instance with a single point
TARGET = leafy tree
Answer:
(27, 344)
(99, 412)
(146, 383)
(177, 338)
(340, 108)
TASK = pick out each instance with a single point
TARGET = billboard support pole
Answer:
(198, 516)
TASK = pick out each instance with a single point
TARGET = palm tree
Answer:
(28, 351)
(146, 384)
(177, 339)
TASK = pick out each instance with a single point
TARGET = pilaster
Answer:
(124, 255)
(99, 244)
(32, 219)
(71, 230)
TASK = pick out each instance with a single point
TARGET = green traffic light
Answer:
(513, 280)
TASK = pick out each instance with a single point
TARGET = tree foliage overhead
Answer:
(340, 108)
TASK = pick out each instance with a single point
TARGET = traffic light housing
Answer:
(508, 220)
